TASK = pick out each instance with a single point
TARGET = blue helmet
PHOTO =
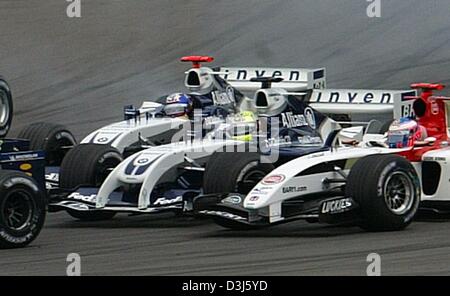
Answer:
(178, 104)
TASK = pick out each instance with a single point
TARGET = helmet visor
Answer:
(175, 109)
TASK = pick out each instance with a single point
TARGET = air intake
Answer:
(193, 79)
(261, 100)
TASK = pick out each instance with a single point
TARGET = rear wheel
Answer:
(387, 188)
(6, 108)
(88, 165)
(22, 209)
(54, 139)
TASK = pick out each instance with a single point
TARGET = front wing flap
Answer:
(85, 198)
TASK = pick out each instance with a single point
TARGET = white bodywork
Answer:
(157, 162)
(294, 185)
(124, 133)
(272, 195)
(442, 157)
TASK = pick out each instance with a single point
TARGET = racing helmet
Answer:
(404, 132)
(178, 104)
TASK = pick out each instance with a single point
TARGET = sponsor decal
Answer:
(23, 157)
(310, 117)
(230, 93)
(74, 205)
(253, 198)
(336, 206)
(86, 198)
(247, 73)
(260, 191)
(291, 120)
(26, 166)
(168, 201)
(222, 98)
(235, 200)
(294, 189)
(273, 179)
(52, 177)
(224, 215)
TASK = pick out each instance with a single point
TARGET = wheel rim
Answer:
(398, 193)
(4, 108)
(250, 175)
(18, 208)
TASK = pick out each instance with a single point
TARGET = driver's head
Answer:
(404, 132)
(178, 105)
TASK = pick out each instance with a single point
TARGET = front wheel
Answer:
(54, 139)
(22, 209)
(387, 188)
(234, 172)
(88, 165)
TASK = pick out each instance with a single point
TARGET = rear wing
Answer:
(359, 101)
(293, 79)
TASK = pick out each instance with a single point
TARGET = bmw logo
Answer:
(143, 161)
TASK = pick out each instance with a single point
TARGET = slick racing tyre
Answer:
(6, 108)
(234, 172)
(387, 188)
(88, 165)
(22, 209)
(54, 139)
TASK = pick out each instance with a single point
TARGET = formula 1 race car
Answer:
(169, 177)
(22, 183)
(158, 121)
(377, 182)
(215, 98)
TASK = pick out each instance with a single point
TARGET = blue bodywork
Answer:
(15, 155)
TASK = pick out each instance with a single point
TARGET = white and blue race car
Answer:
(377, 182)
(169, 177)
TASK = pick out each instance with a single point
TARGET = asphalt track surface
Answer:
(80, 72)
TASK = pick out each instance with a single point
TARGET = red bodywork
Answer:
(434, 120)
(197, 60)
